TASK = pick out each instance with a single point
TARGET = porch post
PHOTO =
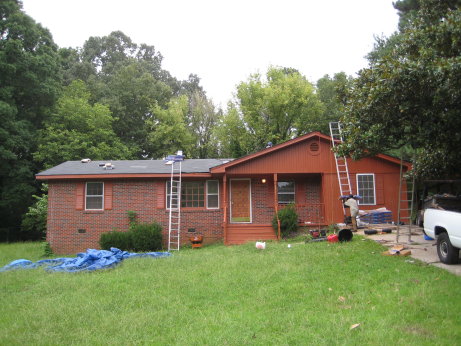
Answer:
(225, 207)
(276, 205)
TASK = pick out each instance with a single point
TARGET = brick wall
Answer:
(262, 201)
(308, 198)
(71, 230)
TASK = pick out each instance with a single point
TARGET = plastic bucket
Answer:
(332, 238)
(345, 235)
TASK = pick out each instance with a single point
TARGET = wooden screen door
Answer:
(240, 200)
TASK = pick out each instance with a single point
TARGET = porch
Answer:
(250, 204)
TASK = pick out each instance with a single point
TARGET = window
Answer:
(286, 192)
(94, 196)
(366, 188)
(193, 194)
(212, 194)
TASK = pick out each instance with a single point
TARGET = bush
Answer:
(146, 237)
(34, 221)
(47, 251)
(288, 221)
(140, 237)
(132, 218)
(120, 240)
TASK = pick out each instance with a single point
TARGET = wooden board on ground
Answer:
(397, 250)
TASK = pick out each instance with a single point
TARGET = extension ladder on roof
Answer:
(342, 169)
(174, 220)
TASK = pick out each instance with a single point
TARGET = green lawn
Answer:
(307, 294)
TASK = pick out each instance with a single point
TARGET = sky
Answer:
(223, 41)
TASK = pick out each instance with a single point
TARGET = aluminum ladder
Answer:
(342, 169)
(405, 202)
(174, 219)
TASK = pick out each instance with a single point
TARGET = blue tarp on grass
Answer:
(85, 261)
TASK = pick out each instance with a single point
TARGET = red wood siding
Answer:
(294, 159)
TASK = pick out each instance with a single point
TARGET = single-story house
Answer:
(223, 200)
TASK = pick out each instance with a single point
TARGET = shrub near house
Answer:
(140, 237)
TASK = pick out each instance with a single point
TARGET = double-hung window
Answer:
(366, 189)
(286, 192)
(212, 194)
(94, 196)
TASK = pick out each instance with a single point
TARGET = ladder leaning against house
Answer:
(174, 218)
(406, 201)
(342, 169)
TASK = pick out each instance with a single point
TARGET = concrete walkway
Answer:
(421, 249)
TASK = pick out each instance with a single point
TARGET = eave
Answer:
(117, 176)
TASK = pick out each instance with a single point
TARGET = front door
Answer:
(240, 200)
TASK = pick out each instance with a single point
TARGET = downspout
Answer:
(225, 207)
(276, 204)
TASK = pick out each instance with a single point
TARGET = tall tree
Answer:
(202, 118)
(281, 107)
(130, 79)
(29, 84)
(332, 92)
(77, 130)
(168, 128)
(231, 138)
(410, 94)
(130, 93)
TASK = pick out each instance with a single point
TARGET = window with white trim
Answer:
(212, 194)
(286, 192)
(366, 189)
(94, 196)
(193, 194)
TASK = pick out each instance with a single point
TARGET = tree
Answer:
(232, 140)
(168, 129)
(34, 221)
(202, 118)
(77, 130)
(279, 108)
(130, 93)
(332, 93)
(410, 94)
(129, 78)
(30, 81)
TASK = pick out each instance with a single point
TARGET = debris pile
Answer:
(397, 250)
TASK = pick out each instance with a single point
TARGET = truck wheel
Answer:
(447, 253)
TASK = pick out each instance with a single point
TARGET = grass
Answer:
(307, 294)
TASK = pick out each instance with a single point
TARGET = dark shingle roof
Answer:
(131, 167)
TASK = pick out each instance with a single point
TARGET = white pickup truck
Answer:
(445, 226)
